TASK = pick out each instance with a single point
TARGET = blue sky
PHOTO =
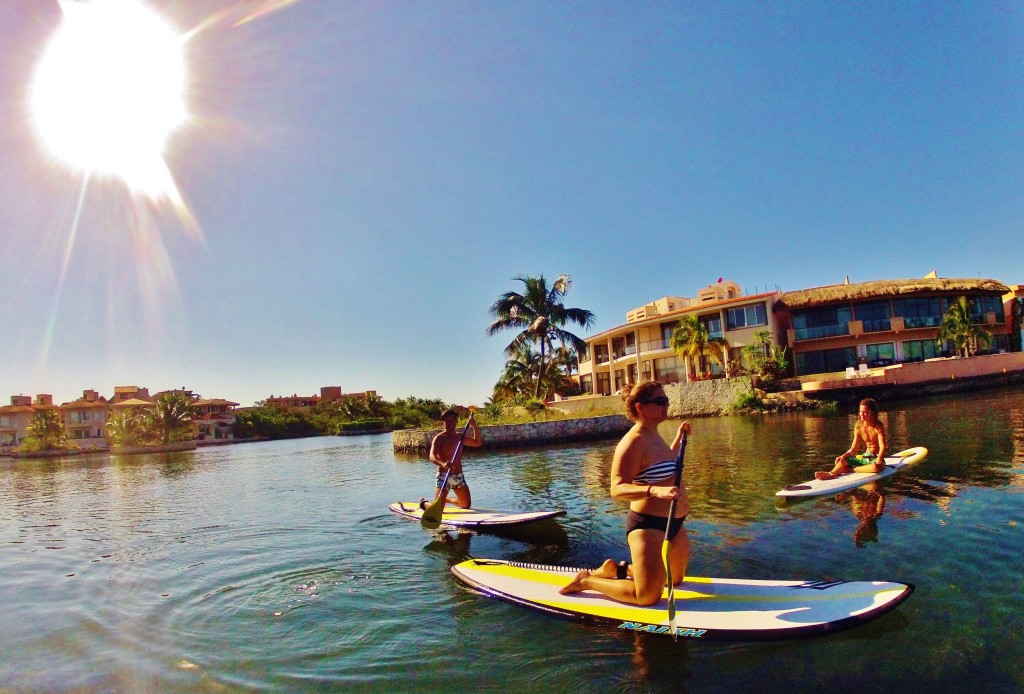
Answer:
(369, 177)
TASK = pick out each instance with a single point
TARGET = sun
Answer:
(110, 90)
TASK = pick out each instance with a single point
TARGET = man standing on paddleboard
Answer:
(446, 454)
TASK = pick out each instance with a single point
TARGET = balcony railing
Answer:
(821, 331)
(625, 351)
(653, 345)
(602, 359)
(921, 321)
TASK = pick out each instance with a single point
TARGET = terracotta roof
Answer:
(887, 288)
(84, 403)
(13, 409)
(215, 401)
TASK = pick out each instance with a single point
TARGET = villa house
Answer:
(639, 349)
(85, 420)
(214, 419)
(14, 419)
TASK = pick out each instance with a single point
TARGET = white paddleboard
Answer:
(850, 480)
(718, 609)
(455, 517)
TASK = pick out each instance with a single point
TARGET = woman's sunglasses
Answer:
(660, 401)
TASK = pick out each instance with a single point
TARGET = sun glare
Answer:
(110, 90)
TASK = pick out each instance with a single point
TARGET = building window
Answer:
(919, 350)
(587, 384)
(746, 317)
(882, 354)
(920, 312)
(669, 370)
(666, 332)
(713, 326)
(825, 360)
(874, 315)
(822, 321)
(981, 305)
(604, 384)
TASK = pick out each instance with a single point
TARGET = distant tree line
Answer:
(344, 416)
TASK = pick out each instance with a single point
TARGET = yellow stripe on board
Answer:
(560, 579)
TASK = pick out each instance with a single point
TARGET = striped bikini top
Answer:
(658, 472)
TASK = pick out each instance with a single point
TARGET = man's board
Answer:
(716, 609)
(850, 480)
(455, 517)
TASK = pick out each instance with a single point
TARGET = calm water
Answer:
(276, 566)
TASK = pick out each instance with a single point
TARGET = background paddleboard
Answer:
(715, 609)
(455, 517)
(850, 480)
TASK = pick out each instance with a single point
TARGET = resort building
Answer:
(880, 335)
(328, 394)
(885, 322)
(639, 349)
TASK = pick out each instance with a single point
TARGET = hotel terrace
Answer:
(832, 332)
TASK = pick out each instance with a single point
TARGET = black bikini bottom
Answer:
(644, 521)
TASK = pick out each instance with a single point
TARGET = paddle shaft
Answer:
(666, 546)
(432, 514)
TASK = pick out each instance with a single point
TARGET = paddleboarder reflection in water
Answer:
(868, 432)
(643, 472)
(868, 505)
(442, 448)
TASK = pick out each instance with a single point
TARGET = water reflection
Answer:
(868, 505)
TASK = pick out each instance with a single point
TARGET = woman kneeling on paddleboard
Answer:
(644, 472)
(868, 432)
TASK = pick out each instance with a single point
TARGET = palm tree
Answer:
(539, 315)
(126, 428)
(958, 329)
(690, 339)
(45, 432)
(173, 416)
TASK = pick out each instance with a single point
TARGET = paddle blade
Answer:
(432, 515)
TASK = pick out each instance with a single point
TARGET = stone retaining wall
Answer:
(530, 434)
(695, 399)
(704, 398)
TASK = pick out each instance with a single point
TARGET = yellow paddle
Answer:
(666, 545)
(431, 517)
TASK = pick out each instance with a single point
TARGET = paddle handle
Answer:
(666, 545)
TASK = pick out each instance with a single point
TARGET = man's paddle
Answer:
(431, 518)
(666, 545)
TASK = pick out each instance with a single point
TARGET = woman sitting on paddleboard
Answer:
(870, 433)
(643, 472)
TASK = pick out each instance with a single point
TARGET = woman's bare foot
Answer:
(609, 569)
(824, 475)
(577, 583)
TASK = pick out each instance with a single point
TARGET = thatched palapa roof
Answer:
(887, 289)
